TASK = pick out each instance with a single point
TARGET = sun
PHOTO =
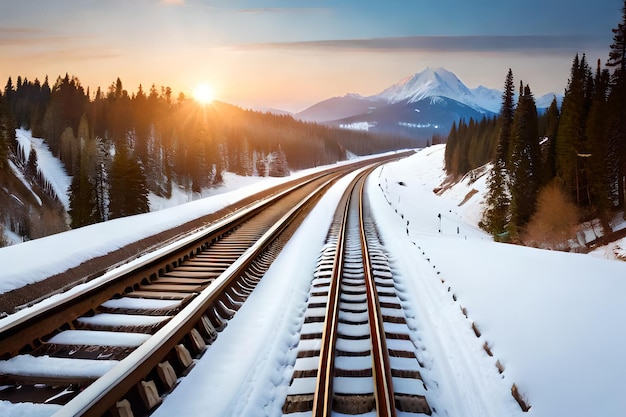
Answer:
(204, 93)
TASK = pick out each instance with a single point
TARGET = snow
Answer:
(56, 367)
(57, 253)
(440, 82)
(363, 126)
(50, 167)
(552, 320)
(99, 337)
(106, 319)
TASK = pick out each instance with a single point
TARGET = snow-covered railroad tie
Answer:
(355, 354)
(118, 347)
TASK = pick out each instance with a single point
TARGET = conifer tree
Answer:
(571, 139)
(597, 173)
(7, 135)
(278, 164)
(82, 197)
(506, 116)
(524, 162)
(549, 125)
(31, 164)
(617, 54)
(128, 192)
(496, 215)
(617, 110)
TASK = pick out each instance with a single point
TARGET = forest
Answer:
(554, 170)
(118, 147)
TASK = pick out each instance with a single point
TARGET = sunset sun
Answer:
(204, 93)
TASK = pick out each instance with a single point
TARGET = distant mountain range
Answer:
(418, 106)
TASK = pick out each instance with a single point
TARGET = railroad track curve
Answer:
(119, 345)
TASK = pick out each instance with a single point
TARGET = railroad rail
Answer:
(355, 354)
(117, 345)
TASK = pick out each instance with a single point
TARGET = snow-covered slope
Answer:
(551, 320)
(50, 167)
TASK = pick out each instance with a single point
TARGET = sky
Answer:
(291, 54)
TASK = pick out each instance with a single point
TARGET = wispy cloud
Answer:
(27, 36)
(173, 2)
(264, 10)
(535, 43)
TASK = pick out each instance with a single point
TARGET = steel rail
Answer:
(323, 396)
(381, 368)
(101, 395)
(383, 392)
(31, 324)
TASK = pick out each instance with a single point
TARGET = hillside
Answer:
(118, 154)
(544, 317)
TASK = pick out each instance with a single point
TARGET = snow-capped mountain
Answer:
(435, 82)
(418, 106)
(425, 103)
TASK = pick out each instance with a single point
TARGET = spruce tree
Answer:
(496, 215)
(549, 127)
(524, 162)
(128, 192)
(617, 110)
(617, 54)
(31, 164)
(571, 139)
(597, 172)
(506, 116)
(82, 197)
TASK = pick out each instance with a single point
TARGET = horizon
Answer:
(278, 56)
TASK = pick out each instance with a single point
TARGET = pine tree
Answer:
(278, 164)
(496, 215)
(128, 192)
(524, 162)
(617, 111)
(7, 135)
(598, 177)
(506, 116)
(31, 164)
(82, 197)
(549, 125)
(617, 54)
(571, 140)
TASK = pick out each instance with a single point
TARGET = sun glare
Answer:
(203, 94)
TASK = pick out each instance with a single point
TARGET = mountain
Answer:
(418, 106)
(437, 82)
(339, 108)
(418, 119)
(397, 104)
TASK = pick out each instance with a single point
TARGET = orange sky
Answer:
(288, 57)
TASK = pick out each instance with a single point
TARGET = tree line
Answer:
(575, 155)
(120, 146)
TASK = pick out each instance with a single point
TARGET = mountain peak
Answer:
(440, 82)
(427, 83)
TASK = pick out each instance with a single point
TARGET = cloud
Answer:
(29, 36)
(173, 2)
(535, 43)
(284, 10)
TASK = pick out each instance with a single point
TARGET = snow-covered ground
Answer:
(51, 168)
(552, 320)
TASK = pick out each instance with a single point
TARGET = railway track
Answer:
(117, 347)
(355, 354)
